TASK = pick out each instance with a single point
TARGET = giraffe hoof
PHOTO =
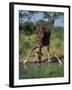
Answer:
(49, 60)
(60, 63)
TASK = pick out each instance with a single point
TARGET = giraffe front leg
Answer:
(54, 54)
(36, 55)
(29, 55)
(39, 55)
(60, 62)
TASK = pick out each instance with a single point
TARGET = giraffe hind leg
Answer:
(48, 53)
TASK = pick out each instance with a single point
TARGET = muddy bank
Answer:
(53, 59)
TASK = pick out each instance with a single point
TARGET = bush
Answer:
(28, 28)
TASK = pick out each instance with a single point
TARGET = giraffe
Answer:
(43, 39)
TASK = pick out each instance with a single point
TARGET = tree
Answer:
(26, 15)
(25, 18)
(28, 28)
(52, 16)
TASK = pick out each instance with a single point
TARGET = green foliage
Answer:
(27, 28)
(43, 23)
(57, 40)
(25, 43)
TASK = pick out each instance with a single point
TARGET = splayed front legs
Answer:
(39, 54)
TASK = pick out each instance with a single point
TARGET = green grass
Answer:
(45, 70)
(25, 44)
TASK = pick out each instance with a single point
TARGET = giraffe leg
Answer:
(58, 59)
(29, 54)
(56, 55)
(36, 57)
(39, 55)
(48, 53)
(36, 54)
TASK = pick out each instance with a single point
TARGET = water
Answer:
(43, 70)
